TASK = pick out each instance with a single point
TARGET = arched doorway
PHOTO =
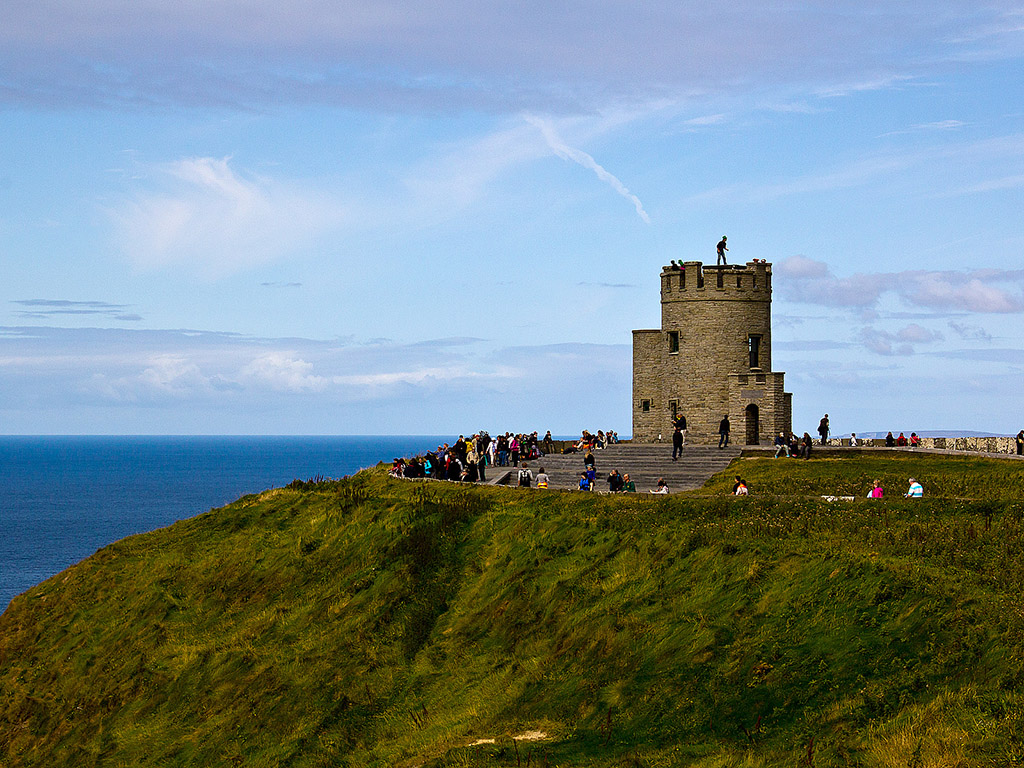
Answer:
(753, 426)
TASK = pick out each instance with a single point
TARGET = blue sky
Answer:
(385, 217)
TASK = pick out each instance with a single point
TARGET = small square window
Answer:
(645, 406)
(673, 407)
(673, 342)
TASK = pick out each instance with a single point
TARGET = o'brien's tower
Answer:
(711, 357)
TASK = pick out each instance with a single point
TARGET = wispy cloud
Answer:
(200, 214)
(705, 120)
(50, 308)
(534, 55)
(580, 157)
(939, 125)
(876, 83)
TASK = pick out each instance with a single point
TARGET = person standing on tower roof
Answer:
(721, 251)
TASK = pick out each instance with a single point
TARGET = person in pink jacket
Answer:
(876, 492)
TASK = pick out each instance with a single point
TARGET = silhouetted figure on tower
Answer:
(721, 251)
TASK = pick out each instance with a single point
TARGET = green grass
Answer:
(374, 622)
(951, 477)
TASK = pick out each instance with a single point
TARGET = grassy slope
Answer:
(378, 622)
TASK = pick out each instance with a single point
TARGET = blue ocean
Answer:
(62, 498)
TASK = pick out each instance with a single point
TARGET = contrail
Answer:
(566, 152)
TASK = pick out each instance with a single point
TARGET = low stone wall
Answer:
(981, 444)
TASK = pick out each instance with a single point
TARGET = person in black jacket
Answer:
(677, 443)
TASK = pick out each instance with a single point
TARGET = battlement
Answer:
(693, 280)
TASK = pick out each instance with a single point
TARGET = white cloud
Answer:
(116, 380)
(916, 334)
(200, 214)
(282, 372)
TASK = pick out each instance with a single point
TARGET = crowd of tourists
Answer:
(468, 459)
(592, 442)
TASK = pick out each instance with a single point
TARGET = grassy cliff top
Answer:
(378, 622)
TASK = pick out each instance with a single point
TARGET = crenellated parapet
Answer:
(696, 281)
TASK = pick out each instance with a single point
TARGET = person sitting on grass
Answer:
(739, 488)
(662, 486)
(915, 491)
(876, 492)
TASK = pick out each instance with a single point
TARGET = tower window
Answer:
(673, 407)
(645, 406)
(754, 345)
(673, 342)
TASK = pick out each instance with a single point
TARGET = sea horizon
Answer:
(62, 497)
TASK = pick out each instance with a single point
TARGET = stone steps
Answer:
(644, 464)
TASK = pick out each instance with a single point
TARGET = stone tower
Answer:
(711, 357)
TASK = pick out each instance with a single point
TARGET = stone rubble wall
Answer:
(979, 444)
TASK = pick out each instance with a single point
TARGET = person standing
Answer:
(723, 432)
(823, 429)
(677, 443)
(680, 422)
(549, 444)
(721, 251)
(1020, 443)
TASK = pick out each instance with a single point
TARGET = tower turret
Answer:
(711, 357)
